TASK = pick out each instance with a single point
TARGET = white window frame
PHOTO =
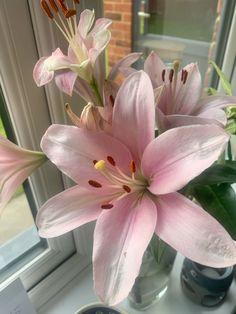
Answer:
(32, 110)
(229, 67)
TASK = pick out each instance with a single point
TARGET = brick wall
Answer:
(120, 12)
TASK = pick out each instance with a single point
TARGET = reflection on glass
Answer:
(182, 29)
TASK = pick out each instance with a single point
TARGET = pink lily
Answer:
(180, 102)
(85, 46)
(16, 164)
(128, 182)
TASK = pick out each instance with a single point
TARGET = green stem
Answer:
(96, 91)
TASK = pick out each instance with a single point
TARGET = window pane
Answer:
(185, 30)
(169, 18)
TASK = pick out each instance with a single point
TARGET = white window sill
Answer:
(79, 292)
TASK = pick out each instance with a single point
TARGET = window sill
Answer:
(79, 292)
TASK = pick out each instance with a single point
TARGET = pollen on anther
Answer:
(126, 188)
(111, 160)
(107, 206)
(100, 165)
(94, 184)
(132, 166)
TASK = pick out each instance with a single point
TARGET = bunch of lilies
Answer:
(126, 179)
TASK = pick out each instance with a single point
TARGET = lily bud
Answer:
(91, 118)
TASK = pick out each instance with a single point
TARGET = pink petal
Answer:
(193, 232)
(100, 41)
(65, 81)
(44, 69)
(214, 102)
(154, 66)
(214, 114)
(74, 150)
(134, 113)
(16, 165)
(125, 62)
(85, 22)
(215, 117)
(180, 154)
(121, 237)
(68, 210)
(189, 93)
(41, 75)
(101, 24)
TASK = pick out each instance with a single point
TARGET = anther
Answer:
(112, 100)
(126, 188)
(76, 1)
(46, 9)
(70, 13)
(185, 76)
(94, 184)
(132, 166)
(95, 161)
(53, 5)
(107, 206)
(163, 75)
(111, 160)
(182, 75)
(171, 75)
(100, 165)
(62, 6)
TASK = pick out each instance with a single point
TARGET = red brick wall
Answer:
(120, 12)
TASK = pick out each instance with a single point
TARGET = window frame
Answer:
(32, 110)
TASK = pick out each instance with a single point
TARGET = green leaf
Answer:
(216, 174)
(225, 83)
(231, 127)
(212, 91)
(220, 202)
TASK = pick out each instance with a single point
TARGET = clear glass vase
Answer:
(152, 281)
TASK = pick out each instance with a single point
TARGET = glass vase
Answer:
(152, 281)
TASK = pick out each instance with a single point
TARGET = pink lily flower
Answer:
(85, 46)
(128, 182)
(16, 164)
(180, 102)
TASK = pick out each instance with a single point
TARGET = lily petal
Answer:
(189, 93)
(125, 62)
(74, 150)
(16, 165)
(154, 66)
(44, 69)
(211, 102)
(65, 81)
(121, 237)
(180, 154)
(68, 210)
(137, 112)
(198, 235)
(215, 117)
(86, 22)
